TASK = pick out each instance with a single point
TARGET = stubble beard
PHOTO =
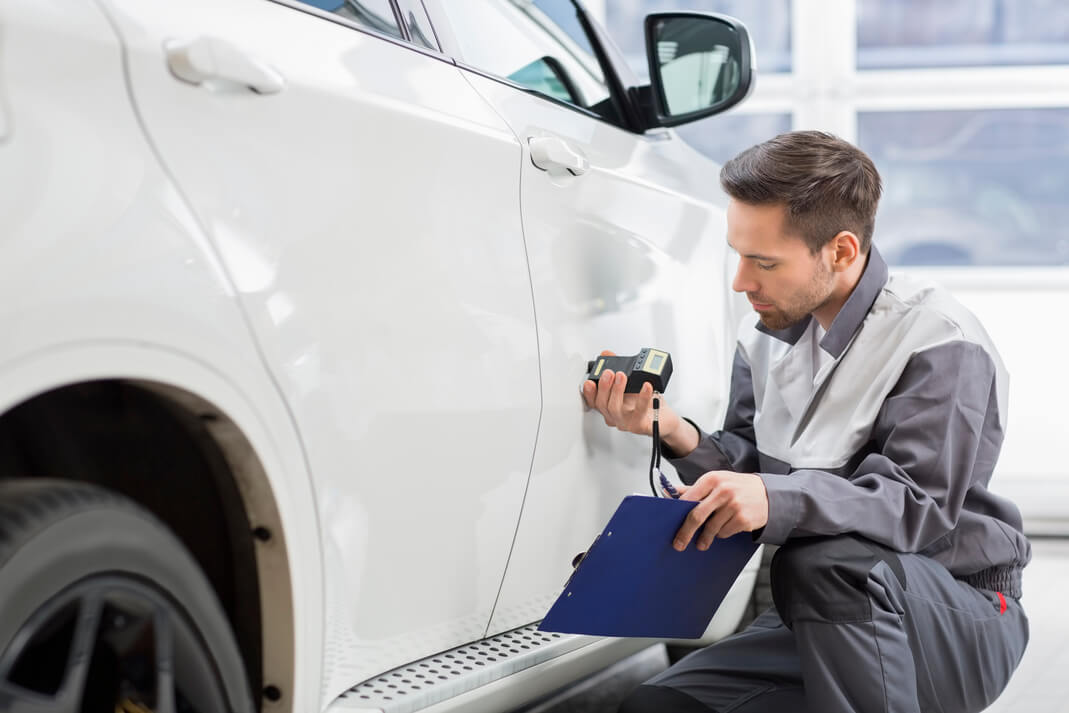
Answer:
(816, 294)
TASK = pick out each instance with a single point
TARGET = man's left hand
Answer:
(729, 503)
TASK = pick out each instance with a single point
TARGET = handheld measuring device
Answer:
(648, 366)
(651, 366)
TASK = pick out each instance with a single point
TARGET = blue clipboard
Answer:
(632, 582)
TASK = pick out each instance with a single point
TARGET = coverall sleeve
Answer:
(937, 432)
(731, 448)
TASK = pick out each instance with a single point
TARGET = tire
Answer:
(102, 609)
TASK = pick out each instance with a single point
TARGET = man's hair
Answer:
(826, 184)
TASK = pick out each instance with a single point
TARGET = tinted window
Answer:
(374, 14)
(540, 45)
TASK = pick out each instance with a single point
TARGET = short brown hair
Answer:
(827, 185)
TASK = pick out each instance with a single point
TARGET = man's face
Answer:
(782, 279)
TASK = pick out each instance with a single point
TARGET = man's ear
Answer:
(845, 250)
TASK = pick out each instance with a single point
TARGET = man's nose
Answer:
(744, 281)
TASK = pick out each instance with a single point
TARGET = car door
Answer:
(364, 201)
(625, 243)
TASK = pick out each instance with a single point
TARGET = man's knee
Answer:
(826, 578)
(658, 699)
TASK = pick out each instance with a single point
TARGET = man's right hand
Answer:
(632, 413)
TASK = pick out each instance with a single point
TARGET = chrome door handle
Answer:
(205, 58)
(555, 156)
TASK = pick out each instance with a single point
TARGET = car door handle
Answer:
(556, 156)
(206, 58)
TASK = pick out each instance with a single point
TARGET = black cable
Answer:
(655, 458)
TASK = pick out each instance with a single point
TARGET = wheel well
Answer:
(139, 440)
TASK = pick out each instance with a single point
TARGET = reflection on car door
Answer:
(623, 255)
(365, 206)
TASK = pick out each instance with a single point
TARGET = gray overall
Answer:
(898, 580)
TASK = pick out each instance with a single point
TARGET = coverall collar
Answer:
(850, 317)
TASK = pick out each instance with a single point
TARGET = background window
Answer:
(982, 187)
(723, 136)
(374, 14)
(540, 45)
(768, 22)
(961, 33)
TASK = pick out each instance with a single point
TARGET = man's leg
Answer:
(892, 633)
(754, 671)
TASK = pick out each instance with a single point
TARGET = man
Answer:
(866, 415)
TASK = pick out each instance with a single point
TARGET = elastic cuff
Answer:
(784, 508)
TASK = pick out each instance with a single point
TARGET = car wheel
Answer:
(103, 610)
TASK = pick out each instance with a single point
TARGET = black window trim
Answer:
(407, 31)
(617, 94)
(344, 22)
(535, 93)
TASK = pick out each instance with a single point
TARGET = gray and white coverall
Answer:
(897, 584)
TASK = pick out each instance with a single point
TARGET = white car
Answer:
(297, 298)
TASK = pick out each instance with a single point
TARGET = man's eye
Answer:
(766, 265)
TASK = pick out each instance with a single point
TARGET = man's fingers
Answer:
(644, 399)
(616, 397)
(715, 524)
(712, 498)
(732, 527)
(590, 387)
(702, 486)
(640, 404)
(604, 386)
(729, 503)
(693, 522)
(590, 392)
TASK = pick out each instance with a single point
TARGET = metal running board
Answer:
(443, 676)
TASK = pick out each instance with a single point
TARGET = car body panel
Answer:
(628, 250)
(106, 275)
(339, 267)
(370, 224)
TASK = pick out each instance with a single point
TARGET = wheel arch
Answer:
(136, 433)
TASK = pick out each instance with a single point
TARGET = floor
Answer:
(1040, 685)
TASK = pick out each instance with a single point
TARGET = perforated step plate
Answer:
(443, 676)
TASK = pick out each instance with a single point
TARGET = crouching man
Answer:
(866, 416)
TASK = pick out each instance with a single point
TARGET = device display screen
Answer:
(655, 363)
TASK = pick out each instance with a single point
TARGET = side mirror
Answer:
(700, 65)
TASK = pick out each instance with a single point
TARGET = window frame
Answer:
(404, 41)
(618, 93)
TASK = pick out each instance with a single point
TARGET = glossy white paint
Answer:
(105, 275)
(337, 262)
(370, 223)
(629, 253)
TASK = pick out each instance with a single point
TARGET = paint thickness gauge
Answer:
(649, 365)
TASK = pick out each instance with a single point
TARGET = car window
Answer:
(540, 44)
(373, 14)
